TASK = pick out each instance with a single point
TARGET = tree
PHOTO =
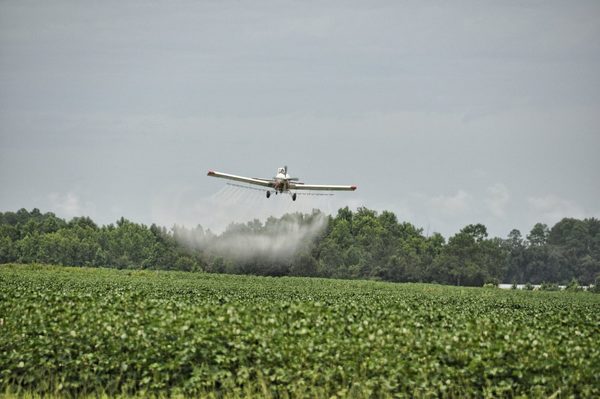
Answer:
(516, 259)
(303, 265)
(577, 241)
(469, 258)
(538, 235)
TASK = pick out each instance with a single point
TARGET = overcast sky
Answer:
(479, 111)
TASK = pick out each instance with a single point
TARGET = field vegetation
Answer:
(93, 331)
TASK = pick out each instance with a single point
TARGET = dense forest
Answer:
(351, 244)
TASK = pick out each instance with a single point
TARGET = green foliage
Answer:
(573, 286)
(529, 287)
(538, 235)
(549, 287)
(491, 283)
(74, 332)
(35, 237)
(470, 258)
(367, 245)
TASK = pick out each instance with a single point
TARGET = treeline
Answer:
(359, 244)
(27, 237)
(367, 245)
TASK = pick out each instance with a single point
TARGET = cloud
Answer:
(448, 213)
(450, 205)
(69, 205)
(552, 208)
(497, 200)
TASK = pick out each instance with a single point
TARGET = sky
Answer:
(445, 113)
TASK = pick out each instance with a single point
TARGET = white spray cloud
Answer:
(276, 239)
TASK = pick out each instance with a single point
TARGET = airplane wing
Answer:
(249, 180)
(320, 187)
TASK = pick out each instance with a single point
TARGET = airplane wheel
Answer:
(294, 197)
(268, 194)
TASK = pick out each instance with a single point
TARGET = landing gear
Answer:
(294, 197)
(268, 194)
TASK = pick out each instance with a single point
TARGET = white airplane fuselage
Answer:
(282, 180)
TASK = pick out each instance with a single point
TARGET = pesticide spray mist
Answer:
(275, 240)
(246, 238)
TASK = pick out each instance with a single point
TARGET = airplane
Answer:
(281, 183)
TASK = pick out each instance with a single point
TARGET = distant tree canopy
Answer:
(359, 244)
(35, 237)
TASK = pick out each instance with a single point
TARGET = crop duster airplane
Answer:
(281, 183)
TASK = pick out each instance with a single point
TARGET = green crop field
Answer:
(77, 332)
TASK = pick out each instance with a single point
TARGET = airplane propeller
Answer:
(289, 178)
